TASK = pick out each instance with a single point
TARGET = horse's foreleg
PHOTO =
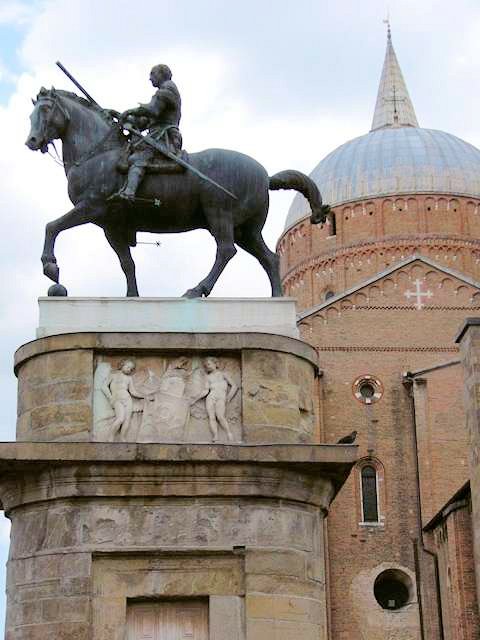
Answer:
(75, 217)
(221, 228)
(121, 248)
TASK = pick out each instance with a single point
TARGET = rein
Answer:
(95, 149)
(56, 104)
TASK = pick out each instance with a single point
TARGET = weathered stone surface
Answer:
(89, 521)
(218, 574)
(96, 525)
(55, 396)
(277, 562)
(226, 618)
(277, 399)
(165, 342)
(65, 388)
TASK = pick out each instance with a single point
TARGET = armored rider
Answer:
(161, 116)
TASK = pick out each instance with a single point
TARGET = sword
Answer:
(159, 147)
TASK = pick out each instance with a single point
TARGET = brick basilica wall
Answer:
(373, 235)
(414, 435)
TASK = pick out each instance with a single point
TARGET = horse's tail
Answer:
(306, 186)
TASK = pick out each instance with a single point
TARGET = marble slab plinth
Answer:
(201, 315)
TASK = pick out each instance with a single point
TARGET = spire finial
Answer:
(389, 27)
(394, 107)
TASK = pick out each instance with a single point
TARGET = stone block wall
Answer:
(62, 380)
(166, 467)
(89, 537)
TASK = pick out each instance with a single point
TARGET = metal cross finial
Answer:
(395, 100)
(389, 28)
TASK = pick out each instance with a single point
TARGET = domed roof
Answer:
(391, 161)
(396, 157)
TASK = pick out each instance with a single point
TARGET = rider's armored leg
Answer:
(135, 176)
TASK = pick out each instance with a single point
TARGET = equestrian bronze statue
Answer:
(128, 173)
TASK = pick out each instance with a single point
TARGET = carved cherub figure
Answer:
(120, 391)
(219, 391)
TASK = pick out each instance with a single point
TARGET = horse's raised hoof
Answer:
(51, 270)
(196, 292)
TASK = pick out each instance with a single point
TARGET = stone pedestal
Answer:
(168, 467)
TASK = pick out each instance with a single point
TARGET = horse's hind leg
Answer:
(221, 228)
(121, 248)
(251, 240)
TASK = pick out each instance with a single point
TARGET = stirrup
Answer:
(121, 195)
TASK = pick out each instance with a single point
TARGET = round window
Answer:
(393, 589)
(367, 389)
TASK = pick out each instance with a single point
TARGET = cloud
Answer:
(4, 530)
(6, 75)
(15, 13)
(284, 82)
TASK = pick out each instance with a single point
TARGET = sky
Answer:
(285, 82)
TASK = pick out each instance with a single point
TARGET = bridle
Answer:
(56, 105)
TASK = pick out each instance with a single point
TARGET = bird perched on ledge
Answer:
(350, 439)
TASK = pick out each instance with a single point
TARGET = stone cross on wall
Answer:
(418, 294)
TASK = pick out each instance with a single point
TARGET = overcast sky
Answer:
(283, 81)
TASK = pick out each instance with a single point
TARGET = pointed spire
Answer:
(394, 107)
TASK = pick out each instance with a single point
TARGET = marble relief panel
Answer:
(167, 399)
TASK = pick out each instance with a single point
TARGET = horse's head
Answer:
(49, 120)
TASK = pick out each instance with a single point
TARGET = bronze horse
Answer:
(93, 144)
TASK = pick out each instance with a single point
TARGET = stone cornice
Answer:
(306, 473)
(164, 342)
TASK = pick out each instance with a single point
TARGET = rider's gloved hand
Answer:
(127, 115)
(112, 113)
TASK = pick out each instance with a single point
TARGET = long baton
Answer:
(76, 83)
(157, 145)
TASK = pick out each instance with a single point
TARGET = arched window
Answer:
(369, 494)
(333, 224)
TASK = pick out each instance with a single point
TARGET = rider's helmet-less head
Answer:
(160, 73)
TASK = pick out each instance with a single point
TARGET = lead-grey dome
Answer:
(393, 161)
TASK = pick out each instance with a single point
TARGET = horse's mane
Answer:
(82, 101)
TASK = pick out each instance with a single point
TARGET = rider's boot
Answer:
(135, 175)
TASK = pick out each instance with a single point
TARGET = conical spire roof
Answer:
(394, 107)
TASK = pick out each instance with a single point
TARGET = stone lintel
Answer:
(467, 323)
(164, 342)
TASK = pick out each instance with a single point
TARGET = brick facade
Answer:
(373, 235)
(400, 291)
(451, 533)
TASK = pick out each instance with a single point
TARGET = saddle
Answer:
(159, 165)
